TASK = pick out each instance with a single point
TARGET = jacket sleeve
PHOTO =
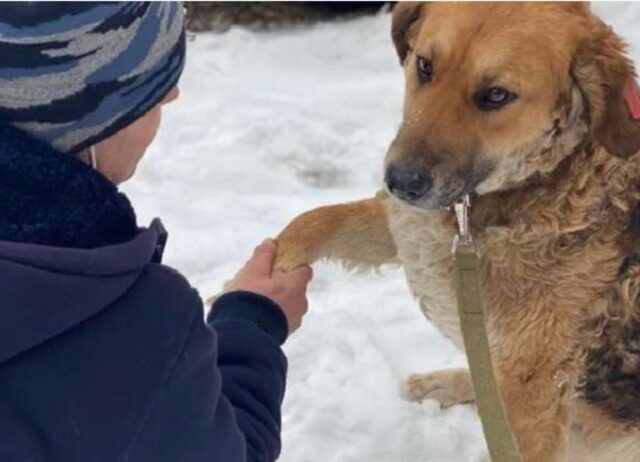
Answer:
(222, 399)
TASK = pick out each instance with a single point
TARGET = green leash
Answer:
(497, 431)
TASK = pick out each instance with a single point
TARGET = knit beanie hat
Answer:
(75, 73)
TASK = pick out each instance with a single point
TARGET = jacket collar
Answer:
(51, 198)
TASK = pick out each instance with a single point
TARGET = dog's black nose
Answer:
(408, 181)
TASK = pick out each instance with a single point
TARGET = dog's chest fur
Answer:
(424, 244)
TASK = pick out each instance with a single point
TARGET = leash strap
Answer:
(497, 431)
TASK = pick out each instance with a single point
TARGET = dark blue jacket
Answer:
(105, 354)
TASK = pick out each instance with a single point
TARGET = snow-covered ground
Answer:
(273, 124)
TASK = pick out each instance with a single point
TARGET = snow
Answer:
(272, 124)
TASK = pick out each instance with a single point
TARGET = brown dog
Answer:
(531, 108)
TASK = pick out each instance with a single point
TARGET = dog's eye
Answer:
(493, 98)
(425, 69)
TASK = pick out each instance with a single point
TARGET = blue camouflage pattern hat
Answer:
(75, 73)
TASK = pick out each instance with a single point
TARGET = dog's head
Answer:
(499, 92)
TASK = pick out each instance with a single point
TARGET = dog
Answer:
(532, 108)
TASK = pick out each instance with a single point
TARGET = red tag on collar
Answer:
(632, 97)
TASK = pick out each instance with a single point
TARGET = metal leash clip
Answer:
(464, 237)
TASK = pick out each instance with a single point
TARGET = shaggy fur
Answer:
(555, 215)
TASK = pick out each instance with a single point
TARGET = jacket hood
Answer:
(47, 290)
(69, 243)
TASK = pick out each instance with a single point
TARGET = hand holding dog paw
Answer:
(288, 290)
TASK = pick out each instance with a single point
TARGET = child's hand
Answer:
(287, 290)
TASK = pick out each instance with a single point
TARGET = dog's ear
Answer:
(606, 78)
(406, 16)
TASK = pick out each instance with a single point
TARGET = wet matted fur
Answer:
(522, 105)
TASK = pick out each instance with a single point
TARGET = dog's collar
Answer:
(632, 97)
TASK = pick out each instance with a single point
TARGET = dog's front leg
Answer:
(355, 234)
(535, 410)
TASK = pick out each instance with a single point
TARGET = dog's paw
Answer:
(303, 240)
(447, 387)
(291, 256)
